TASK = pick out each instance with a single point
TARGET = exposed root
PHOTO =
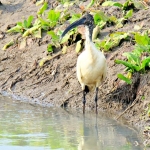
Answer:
(134, 102)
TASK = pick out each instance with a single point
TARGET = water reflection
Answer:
(26, 126)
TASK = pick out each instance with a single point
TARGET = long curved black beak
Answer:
(73, 25)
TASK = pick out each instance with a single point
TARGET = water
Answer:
(28, 127)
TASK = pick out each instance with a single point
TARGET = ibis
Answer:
(91, 63)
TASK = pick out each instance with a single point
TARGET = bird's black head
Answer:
(86, 20)
(89, 20)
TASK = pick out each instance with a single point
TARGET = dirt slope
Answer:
(55, 83)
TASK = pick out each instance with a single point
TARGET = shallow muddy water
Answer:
(31, 127)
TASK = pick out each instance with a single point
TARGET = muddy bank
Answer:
(55, 83)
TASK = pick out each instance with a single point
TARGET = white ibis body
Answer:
(91, 63)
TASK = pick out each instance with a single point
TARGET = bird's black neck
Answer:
(89, 32)
(89, 29)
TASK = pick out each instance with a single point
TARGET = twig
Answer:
(134, 102)
(66, 100)
(37, 82)
(6, 80)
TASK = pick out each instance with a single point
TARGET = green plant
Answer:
(111, 41)
(53, 17)
(100, 19)
(7, 45)
(127, 10)
(129, 4)
(43, 8)
(54, 40)
(27, 28)
(50, 21)
(21, 27)
(126, 16)
(137, 60)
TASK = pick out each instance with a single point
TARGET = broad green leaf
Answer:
(29, 21)
(50, 48)
(146, 48)
(53, 35)
(126, 5)
(122, 77)
(25, 24)
(108, 45)
(100, 16)
(128, 14)
(43, 8)
(53, 17)
(139, 49)
(128, 65)
(145, 63)
(43, 22)
(141, 39)
(78, 46)
(132, 58)
(111, 3)
(19, 24)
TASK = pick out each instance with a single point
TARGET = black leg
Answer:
(85, 91)
(84, 101)
(96, 98)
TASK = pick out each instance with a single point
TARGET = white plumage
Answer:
(91, 63)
